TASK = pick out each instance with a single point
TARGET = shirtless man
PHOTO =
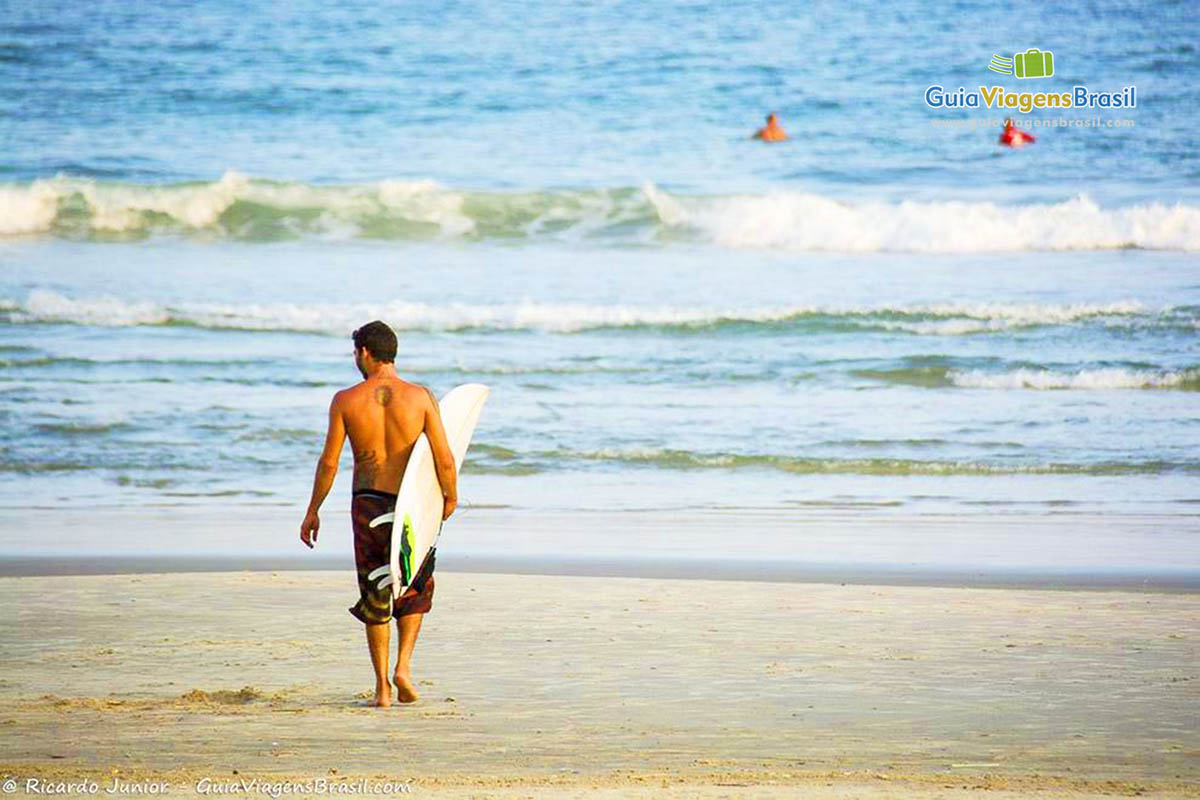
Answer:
(772, 131)
(383, 416)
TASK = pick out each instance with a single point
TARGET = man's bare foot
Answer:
(405, 691)
(383, 696)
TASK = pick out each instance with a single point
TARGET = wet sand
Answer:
(568, 686)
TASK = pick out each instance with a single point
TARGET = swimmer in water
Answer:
(772, 131)
(1014, 136)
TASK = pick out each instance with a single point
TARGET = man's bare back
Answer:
(383, 416)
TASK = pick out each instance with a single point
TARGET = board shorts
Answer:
(372, 550)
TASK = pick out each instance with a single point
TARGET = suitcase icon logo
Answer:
(1033, 63)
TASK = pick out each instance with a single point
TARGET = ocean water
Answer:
(199, 203)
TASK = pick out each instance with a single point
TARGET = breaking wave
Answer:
(1107, 378)
(1036, 377)
(241, 208)
(43, 305)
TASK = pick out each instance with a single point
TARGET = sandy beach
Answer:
(568, 686)
(857, 456)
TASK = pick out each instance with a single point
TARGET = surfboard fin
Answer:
(384, 574)
(383, 519)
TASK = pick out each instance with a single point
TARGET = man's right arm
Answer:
(443, 458)
(327, 468)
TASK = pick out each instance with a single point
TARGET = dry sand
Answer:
(599, 687)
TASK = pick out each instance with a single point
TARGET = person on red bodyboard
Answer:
(1014, 136)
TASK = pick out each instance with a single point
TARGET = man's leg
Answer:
(374, 606)
(377, 643)
(408, 627)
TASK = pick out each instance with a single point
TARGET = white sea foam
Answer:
(29, 209)
(1108, 378)
(938, 319)
(396, 209)
(686, 459)
(47, 306)
(118, 207)
(809, 222)
(958, 320)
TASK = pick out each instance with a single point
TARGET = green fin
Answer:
(407, 542)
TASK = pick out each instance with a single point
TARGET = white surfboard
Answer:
(417, 519)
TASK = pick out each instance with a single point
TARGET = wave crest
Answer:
(508, 462)
(43, 305)
(241, 208)
(797, 221)
(1105, 378)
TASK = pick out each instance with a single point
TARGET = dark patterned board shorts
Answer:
(372, 550)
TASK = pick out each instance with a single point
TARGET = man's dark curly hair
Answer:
(377, 339)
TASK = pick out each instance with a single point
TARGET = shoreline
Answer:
(979, 576)
(1063, 551)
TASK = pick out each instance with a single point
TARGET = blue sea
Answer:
(888, 315)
